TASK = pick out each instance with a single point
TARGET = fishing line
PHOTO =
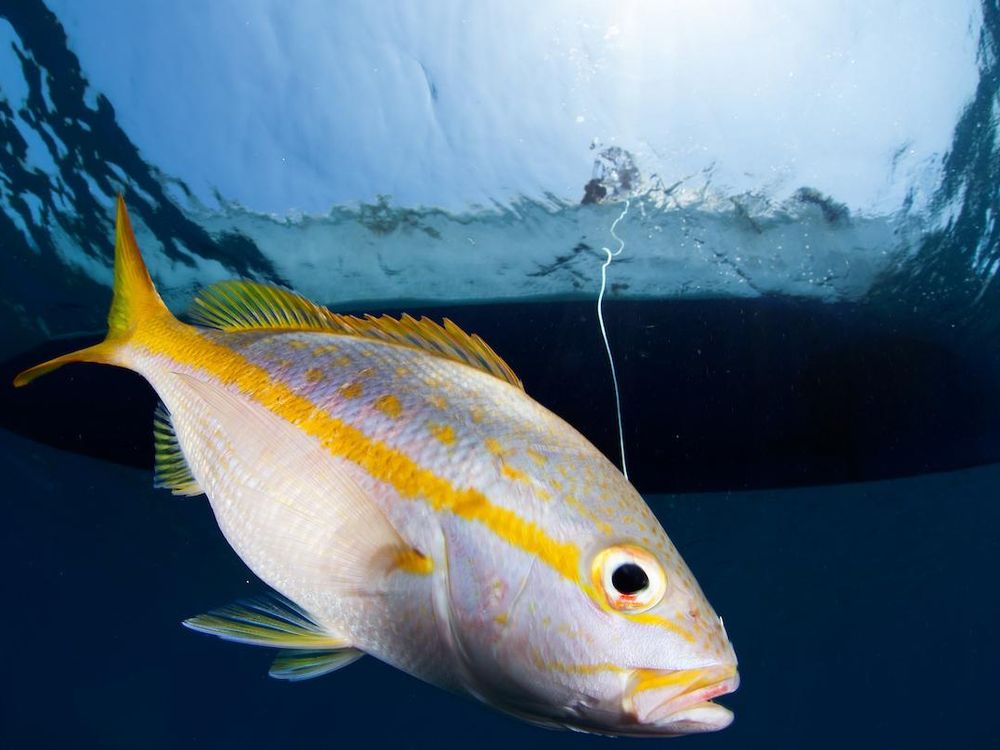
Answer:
(604, 331)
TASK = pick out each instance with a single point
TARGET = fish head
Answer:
(621, 642)
(666, 651)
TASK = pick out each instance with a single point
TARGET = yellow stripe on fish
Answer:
(186, 346)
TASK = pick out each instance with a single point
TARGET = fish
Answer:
(403, 497)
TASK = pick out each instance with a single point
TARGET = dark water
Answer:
(862, 614)
(828, 464)
(719, 394)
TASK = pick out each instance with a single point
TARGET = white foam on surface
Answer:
(700, 249)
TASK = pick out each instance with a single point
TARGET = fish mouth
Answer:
(668, 702)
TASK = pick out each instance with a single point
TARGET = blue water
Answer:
(811, 395)
(862, 614)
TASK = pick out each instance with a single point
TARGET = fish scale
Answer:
(468, 461)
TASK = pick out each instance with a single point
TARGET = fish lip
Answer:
(680, 701)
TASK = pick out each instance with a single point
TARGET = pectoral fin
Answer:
(172, 470)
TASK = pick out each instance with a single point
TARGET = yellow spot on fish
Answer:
(494, 447)
(437, 400)
(389, 405)
(603, 526)
(342, 361)
(284, 363)
(443, 432)
(402, 372)
(366, 372)
(501, 619)
(543, 494)
(537, 457)
(351, 390)
(296, 344)
(509, 471)
(410, 561)
(476, 414)
(314, 375)
(324, 349)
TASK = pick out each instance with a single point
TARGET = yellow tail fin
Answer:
(135, 300)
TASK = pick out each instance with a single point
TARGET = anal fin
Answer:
(171, 467)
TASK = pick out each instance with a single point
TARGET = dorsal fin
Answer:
(248, 305)
(171, 468)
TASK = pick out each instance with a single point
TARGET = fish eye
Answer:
(631, 579)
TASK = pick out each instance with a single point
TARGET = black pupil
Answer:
(629, 578)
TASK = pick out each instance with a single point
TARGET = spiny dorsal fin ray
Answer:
(271, 621)
(248, 305)
(171, 468)
(296, 666)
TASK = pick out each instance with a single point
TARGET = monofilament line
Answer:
(604, 330)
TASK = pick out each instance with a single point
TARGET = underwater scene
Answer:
(479, 374)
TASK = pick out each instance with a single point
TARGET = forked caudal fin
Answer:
(135, 300)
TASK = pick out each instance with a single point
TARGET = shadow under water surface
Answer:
(716, 394)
